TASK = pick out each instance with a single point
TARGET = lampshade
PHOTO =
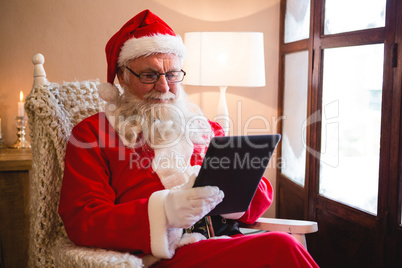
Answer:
(224, 59)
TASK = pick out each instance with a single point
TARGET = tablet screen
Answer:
(236, 165)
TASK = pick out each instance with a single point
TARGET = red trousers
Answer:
(272, 249)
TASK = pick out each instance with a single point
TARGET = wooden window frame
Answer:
(307, 200)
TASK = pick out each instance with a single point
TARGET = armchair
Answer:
(53, 110)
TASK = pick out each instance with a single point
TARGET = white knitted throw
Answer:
(52, 111)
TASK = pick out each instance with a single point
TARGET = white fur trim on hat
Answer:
(148, 45)
(108, 92)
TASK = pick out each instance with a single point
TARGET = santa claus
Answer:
(129, 171)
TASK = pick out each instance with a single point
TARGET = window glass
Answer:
(352, 15)
(297, 20)
(294, 112)
(351, 122)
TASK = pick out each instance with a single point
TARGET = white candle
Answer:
(21, 105)
(0, 127)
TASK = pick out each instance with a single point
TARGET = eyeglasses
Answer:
(153, 77)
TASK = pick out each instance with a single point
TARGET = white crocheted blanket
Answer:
(52, 111)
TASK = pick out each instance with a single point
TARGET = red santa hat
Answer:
(143, 35)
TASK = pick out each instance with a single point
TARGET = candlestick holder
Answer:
(21, 143)
(2, 145)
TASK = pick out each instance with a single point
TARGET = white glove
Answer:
(184, 207)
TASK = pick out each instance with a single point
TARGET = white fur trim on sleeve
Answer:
(188, 239)
(164, 240)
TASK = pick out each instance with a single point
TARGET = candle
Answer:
(0, 127)
(21, 105)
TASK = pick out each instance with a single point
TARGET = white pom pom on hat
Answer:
(108, 92)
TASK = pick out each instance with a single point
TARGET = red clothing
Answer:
(107, 186)
(273, 249)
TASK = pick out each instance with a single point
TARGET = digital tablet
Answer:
(236, 165)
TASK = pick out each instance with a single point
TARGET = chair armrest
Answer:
(283, 225)
(66, 254)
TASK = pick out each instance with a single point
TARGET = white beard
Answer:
(170, 129)
(161, 124)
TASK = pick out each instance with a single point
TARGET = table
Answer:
(15, 165)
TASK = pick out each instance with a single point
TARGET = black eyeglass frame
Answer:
(158, 76)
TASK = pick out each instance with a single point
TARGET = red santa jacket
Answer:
(107, 186)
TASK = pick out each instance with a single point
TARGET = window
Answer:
(351, 125)
(295, 114)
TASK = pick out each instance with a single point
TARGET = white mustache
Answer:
(154, 95)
